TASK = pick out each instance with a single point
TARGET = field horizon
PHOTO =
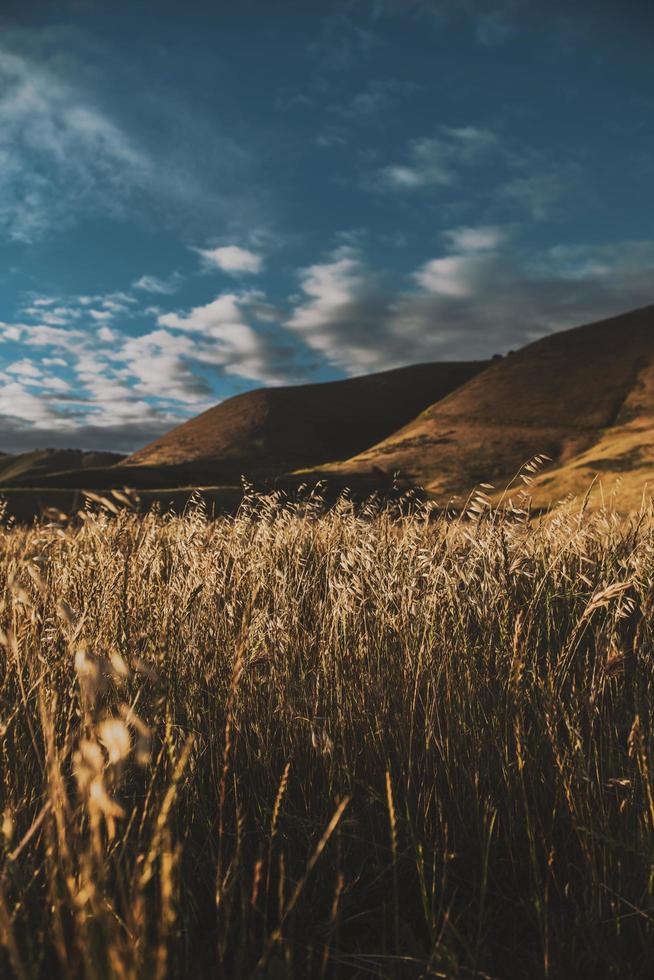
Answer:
(581, 398)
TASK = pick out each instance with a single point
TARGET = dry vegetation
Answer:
(298, 743)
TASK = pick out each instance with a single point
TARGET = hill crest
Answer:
(557, 396)
(288, 428)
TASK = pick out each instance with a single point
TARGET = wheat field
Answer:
(327, 742)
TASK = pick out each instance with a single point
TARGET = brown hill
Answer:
(275, 430)
(266, 433)
(584, 396)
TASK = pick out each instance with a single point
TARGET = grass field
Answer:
(299, 743)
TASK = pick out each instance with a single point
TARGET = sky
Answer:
(201, 198)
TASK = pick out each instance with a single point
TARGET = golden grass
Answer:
(327, 743)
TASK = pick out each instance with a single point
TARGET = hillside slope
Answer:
(266, 433)
(579, 395)
(620, 462)
(281, 429)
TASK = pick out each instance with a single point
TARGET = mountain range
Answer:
(583, 397)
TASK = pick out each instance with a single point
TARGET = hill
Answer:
(266, 433)
(275, 430)
(584, 397)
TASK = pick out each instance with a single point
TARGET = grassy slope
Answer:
(285, 428)
(621, 460)
(576, 396)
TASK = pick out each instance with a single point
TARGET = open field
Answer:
(297, 743)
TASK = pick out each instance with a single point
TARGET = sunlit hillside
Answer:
(583, 397)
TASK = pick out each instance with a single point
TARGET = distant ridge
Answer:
(39, 463)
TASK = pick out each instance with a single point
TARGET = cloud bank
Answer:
(474, 301)
(58, 154)
(232, 259)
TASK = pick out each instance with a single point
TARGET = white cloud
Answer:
(480, 239)
(104, 308)
(12, 331)
(157, 365)
(213, 319)
(112, 398)
(232, 259)
(43, 335)
(114, 307)
(69, 149)
(467, 304)
(130, 383)
(56, 384)
(438, 160)
(120, 396)
(330, 287)
(53, 319)
(454, 276)
(25, 368)
(58, 154)
(475, 261)
(117, 300)
(152, 284)
(18, 405)
(343, 307)
(228, 342)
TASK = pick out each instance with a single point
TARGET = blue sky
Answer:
(196, 201)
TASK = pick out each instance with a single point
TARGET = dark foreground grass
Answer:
(305, 744)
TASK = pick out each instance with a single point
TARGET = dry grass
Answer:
(307, 744)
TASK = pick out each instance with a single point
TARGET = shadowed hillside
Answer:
(582, 396)
(281, 429)
(622, 457)
(266, 433)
